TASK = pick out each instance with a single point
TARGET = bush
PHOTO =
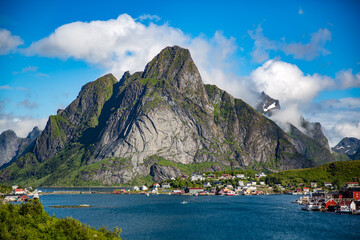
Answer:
(30, 221)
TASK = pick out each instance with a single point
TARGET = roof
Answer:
(194, 188)
(19, 190)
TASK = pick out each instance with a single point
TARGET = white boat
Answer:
(184, 202)
(311, 207)
(343, 209)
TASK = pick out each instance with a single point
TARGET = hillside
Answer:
(338, 173)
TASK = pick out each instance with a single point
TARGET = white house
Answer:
(241, 176)
(241, 183)
(136, 188)
(196, 177)
(19, 191)
(144, 188)
(262, 183)
(253, 183)
(165, 185)
(155, 186)
(260, 175)
(248, 184)
(15, 187)
(207, 184)
(229, 186)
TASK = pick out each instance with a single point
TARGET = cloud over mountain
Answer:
(8, 42)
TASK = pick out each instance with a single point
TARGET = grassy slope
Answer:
(337, 172)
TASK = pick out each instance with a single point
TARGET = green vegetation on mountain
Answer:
(30, 221)
(338, 173)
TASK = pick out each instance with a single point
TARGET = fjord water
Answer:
(204, 217)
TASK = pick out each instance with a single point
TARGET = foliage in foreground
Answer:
(30, 221)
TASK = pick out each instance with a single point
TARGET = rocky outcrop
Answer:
(349, 146)
(267, 105)
(157, 123)
(9, 145)
(12, 146)
(314, 131)
(310, 148)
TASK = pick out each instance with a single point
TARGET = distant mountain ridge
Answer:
(156, 124)
(349, 146)
(12, 146)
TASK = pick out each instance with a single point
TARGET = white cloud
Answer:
(308, 51)
(294, 89)
(27, 69)
(8, 42)
(346, 79)
(5, 87)
(20, 125)
(343, 103)
(300, 12)
(262, 45)
(149, 17)
(287, 83)
(337, 122)
(27, 104)
(123, 44)
(312, 49)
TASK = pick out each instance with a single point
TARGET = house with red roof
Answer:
(19, 191)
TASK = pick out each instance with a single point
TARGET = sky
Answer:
(304, 53)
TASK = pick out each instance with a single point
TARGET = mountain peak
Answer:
(175, 65)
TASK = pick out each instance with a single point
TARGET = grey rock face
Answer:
(9, 144)
(348, 146)
(314, 131)
(12, 146)
(267, 105)
(161, 173)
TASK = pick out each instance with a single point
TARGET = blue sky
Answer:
(305, 53)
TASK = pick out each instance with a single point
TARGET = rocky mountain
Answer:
(314, 131)
(156, 124)
(348, 146)
(12, 146)
(267, 105)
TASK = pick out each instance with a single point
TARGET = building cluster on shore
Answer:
(21, 194)
(210, 184)
(347, 200)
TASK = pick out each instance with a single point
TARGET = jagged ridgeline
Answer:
(156, 124)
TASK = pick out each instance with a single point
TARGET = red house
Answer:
(330, 205)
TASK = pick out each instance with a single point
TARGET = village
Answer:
(20, 194)
(313, 197)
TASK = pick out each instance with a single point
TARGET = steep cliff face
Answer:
(314, 131)
(310, 148)
(12, 146)
(159, 123)
(9, 144)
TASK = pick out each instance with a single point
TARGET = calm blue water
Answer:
(205, 217)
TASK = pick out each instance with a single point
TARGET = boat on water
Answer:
(343, 209)
(230, 193)
(184, 202)
(311, 207)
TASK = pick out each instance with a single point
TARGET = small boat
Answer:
(343, 209)
(230, 193)
(184, 202)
